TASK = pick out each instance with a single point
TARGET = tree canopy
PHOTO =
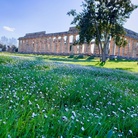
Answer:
(102, 20)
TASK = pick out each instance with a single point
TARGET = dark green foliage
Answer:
(102, 20)
(3, 47)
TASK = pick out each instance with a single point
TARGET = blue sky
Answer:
(18, 17)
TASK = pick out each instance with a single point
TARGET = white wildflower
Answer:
(66, 109)
(73, 113)
(72, 117)
(115, 128)
(130, 131)
(34, 115)
(64, 118)
(45, 116)
(43, 136)
(9, 136)
(82, 128)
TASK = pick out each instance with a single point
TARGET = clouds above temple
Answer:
(7, 28)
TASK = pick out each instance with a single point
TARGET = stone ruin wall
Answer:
(60, 43)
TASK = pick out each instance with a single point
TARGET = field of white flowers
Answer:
(49, 99)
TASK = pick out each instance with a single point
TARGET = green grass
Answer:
(42, 97)
(125, 65)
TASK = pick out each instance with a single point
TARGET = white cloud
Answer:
(8, 29)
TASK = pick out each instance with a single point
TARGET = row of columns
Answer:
(63, 44)
(58, 44)
(130, 50)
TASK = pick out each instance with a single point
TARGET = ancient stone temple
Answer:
(61, 43)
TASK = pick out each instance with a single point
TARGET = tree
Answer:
(3, 47)
(12, 48)
(101, 20)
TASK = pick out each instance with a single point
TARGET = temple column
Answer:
(54, 47)
(56, 44)
(89, 49)
(51, 45)
(123, 51)
(45, 45)
(136, 49)
(86, 48)
(128, 48)
(92, 48)
(48, 44)
(112, 48)
(118, 51)
(131, 47)
(96, 50)
(62, 48)
(40, 48)
(38, 45)
(80, 49)
(28, 45)
(74, 48)
(67, 48)
(108, 49)
(33, 45)
(20, 46)
(83, 48)
(42, 45)
(25, 46)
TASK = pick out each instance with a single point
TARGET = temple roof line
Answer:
(72, 30)
(131, 34)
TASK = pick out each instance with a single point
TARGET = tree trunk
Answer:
(103, 59)
(99, 49)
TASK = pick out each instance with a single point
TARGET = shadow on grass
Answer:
(100, 64)
(121, 60)
(127, 69)
(72, 59)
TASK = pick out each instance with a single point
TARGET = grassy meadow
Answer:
(59, 97)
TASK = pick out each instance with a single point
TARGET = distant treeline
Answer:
(8, 48)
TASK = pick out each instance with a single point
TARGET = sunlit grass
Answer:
(42, 97)
(126, 65)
